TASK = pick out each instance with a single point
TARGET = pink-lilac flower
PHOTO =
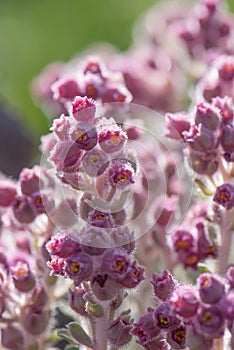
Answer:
(224, 196)
(184, 301)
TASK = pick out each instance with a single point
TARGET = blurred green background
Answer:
(34, 33)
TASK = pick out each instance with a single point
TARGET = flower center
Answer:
(75, 267)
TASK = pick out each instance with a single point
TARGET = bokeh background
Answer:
(34, 33)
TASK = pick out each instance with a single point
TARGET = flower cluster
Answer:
(185, 315)
(112, 205)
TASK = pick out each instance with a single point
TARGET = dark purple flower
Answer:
(145, 329)
(134, 275)
(177, 337)
(224, 195)
(79, 267)
(211, 321)
(115, 262)
(211, 288)
(182, 240)
(189, 258)
(85, 136)
(165, 316)
(118, 331)
(184, 301)
(163, 284)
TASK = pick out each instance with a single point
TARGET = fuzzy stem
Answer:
(226, 240)
(100, 341)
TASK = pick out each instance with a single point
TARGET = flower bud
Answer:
(184, 301)
(77, 301)
(62, 245)
(112, 140)
(22, 276)
(118, 331)
(163, 284)
(83, 109)
(29, 181)
(176, 124)
(23, 210)
(65, 89)
(12, 338)
(230, 277)
(103, 287)
(197, 341)
(210, 287)
(207, 115)
(39, 296)
(7, 193)
(35, 320)
(66, 156)
(145, 329)
(61, 127)
(134, 275)
(227, 138)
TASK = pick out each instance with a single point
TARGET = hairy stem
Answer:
(100, 340)
(226, 240)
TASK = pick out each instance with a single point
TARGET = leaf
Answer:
(203, 187)
(95, 310)
(203, 268)
(72, 347)
(79, 334)
(64, 334)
